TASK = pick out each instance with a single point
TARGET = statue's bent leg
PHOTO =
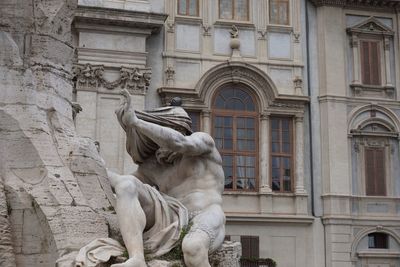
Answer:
(205, 235)
(131, 218)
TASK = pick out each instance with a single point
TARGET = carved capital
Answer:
(170, 73)
(386, 44)
(88, 76)
(92, 77)
(296, 36)
(171, 26)
(262, 34)
(206, 29)
(354, 41)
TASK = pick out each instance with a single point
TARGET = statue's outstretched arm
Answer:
(196, 144)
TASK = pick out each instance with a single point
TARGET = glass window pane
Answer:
(227, 93)
(276, 185)
(275, 162)
(219, 121)
(225, 9)
(275, 124)
(238, 105)
(240, 171)
(250, 173)
(250, 161)
(228, 171)
(241, 133)
(227, 121)
(193, 8)
(251, 134)
(229, 182)
(250, 123)
(251, 184)
(241, 94)
(286, 163)
(218, 143)
(241, 145)
(240, 183)
(285, 125)
(228, 144)
(218, 132)
(241, 123)
(241, 160)
(286, 137)
(275, 147)
(286, 148)
(251, 145)
(275, 136)
(286, 185)
(279, 12)
(182, 7)
(227, 160)
(241, 10)
(228, 133)
(219, 102)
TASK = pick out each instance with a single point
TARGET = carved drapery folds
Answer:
(91, 77)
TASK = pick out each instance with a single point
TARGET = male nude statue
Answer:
(187, 171)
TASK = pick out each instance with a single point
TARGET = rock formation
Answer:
(54, 194)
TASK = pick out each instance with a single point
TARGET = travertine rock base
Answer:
(54, 189)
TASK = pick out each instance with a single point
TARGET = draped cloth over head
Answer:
(140, 146)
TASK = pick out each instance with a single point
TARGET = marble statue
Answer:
(179, 182)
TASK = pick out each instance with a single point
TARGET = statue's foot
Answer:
(132, 262)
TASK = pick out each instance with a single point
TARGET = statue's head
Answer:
(172, 116)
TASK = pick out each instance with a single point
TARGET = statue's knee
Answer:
(193, 246)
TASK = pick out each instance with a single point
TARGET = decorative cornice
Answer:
(371, 26)
(388, 5)
(111, 16)
(91, 77)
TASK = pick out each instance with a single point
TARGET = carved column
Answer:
(264, 155)
(206, 121)
(356, 60)
(299, 157)
(386, 45)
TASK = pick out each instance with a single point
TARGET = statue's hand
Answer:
(129, 118)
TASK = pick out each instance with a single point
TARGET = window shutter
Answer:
(374, 59)
(375, 172)
(250, 247)
(370, 63)
(380, 172)
(365, 63)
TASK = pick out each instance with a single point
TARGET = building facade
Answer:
(300, 96)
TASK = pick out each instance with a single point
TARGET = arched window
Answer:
(235, 131)
(374, 153)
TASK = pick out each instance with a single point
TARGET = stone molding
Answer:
(371, 26)
(237, 73)
(382, 4)
(108, 16)
(90, 77)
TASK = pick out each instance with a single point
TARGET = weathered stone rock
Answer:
(47, 170)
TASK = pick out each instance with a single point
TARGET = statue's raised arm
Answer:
(178, 184)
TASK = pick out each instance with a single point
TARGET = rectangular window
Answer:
(378, 240)
(250, 247)
(234, 9)
(188, 7)
(370, 63)
(375, 171)
(281, 154)
(279, 12)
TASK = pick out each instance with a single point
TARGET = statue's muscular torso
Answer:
(195, 180)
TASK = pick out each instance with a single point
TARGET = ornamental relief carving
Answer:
(89, 76)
